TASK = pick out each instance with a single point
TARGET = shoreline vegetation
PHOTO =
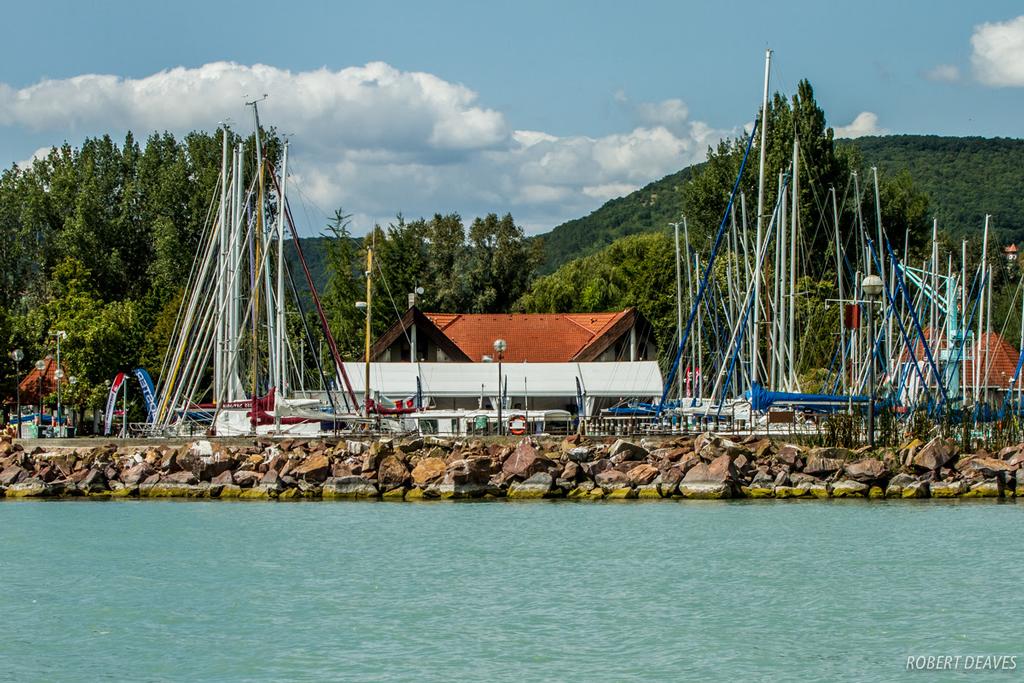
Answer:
(703, 467)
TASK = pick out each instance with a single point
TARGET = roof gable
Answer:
(534, 337)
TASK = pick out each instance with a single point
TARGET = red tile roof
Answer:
(1001, 360)
(30, 382)
(534, 337)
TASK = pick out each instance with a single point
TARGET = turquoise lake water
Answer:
(149, 590)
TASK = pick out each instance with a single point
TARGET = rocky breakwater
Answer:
(699, 467)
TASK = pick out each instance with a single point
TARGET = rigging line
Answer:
(380, 271)
(331, 343)
(309, 337)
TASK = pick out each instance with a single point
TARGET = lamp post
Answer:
(58, 375)
(872, 287)
(17, 355)
(499, 348)
(40, 366)
(72, 380)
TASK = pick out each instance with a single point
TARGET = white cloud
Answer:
(40, 153)
(865, 123)
(377, 140)
(998, 53)
(944, 73)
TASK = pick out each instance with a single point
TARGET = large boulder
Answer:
(612, 479)
(718, 471)
(247, 478)
(29, 488)
(180, 477)
(95, 481)
(579, 453)
(207, 467)
(12, 475)
(709, 480)
(469, 471)
(866, 470)
(935, 455)
(897, 484)
(790, 455)
(525, 461)
(348, 488)
(642, 474)
(989, 467)
(427, 471)
(392, 473)
(849, 489)
(819, 466)
(537, 486)
(622, 451)
(947, 488)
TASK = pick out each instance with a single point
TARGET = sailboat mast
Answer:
(279, 355)
(689, 290)
(881, 265)
(679, 306)
(760, 217)
(369, 313)
(791, 315)
(222, 270)
(839, 279)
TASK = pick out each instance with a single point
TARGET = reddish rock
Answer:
(12, 475)
(314, 468)
(822, 467)
(622, 451)
(181, 477)
(95, 481)
(137, 473)
(989, 467)
(642, 474)
(392, 473)
(935, 455)
(595, 467)
(670, 478)
(718, 471)
(247, 478)
(866, 470)
(271, 480)
(612, 479)
(427, 471)
(525, 461)
(789, 455)
(225, 478)
(570, 472)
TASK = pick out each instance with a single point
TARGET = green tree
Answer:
(343, 287)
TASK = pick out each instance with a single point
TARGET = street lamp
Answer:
(40, 366)
(72, 380)
(17, 355)
(872, 287)
(499, 348)
(58, 374)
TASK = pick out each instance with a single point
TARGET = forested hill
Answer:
(645, 210)
(964, 178)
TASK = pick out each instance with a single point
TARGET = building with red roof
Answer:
(530, 337)
(996, 359)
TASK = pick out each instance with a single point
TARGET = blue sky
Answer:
(544, 109)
